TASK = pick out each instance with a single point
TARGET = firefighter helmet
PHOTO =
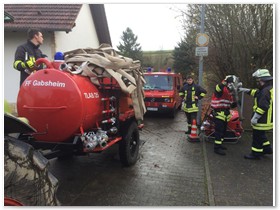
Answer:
(231, 79)
(262, 74)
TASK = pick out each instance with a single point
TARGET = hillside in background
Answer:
(157, 59)
(160, 60)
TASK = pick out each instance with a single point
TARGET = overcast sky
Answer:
(155, 25)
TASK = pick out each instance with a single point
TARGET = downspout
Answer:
(53, 45)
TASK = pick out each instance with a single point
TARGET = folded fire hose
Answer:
(105, 62)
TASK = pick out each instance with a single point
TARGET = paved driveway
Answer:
(170, 172)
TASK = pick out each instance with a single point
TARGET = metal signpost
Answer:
(202, 40)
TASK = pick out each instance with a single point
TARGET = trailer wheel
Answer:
(129, 145)
(27, 181)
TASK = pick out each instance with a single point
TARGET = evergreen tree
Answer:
(184, 57)
(129, 47)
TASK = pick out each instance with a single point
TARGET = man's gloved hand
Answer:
(245, 90)
(239, 85)
(30, 64)
(255, 118)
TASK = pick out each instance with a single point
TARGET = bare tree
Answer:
(241, 38)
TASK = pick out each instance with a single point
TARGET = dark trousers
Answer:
(220, 131)
(260, 143)
(190, 117)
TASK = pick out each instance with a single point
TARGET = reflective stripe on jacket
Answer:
(263, 105)
(188, 93)
(221, 98)
(223, 115)
(33, 53)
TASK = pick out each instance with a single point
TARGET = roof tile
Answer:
(49, 17)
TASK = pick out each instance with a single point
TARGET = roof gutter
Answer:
(100, 22)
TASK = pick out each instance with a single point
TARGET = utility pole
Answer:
(200, 73)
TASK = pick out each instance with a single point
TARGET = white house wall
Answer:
(83, 35)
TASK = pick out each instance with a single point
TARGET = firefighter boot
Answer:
(252, 156)
(267, 150)
(223, 147)
(218, 150)
(189, 130)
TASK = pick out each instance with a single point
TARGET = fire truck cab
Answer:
(162, 91)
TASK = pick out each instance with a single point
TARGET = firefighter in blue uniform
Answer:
(221, 102)
(27, 53)
(262, 117)
(191, 93)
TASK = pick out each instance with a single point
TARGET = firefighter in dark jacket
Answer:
(26, 54)
(262, 117)
(190, 94)
(221, 102)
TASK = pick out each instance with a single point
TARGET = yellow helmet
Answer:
(262, 74)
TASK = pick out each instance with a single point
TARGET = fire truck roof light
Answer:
(59, 56)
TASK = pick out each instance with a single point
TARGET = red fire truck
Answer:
(162, 91)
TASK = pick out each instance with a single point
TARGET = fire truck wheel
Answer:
(173, 112)
(27, 181)
(129, 145)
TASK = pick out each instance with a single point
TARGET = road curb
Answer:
(208, 177)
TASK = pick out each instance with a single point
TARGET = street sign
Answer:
(201, 51)
(202, 39)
